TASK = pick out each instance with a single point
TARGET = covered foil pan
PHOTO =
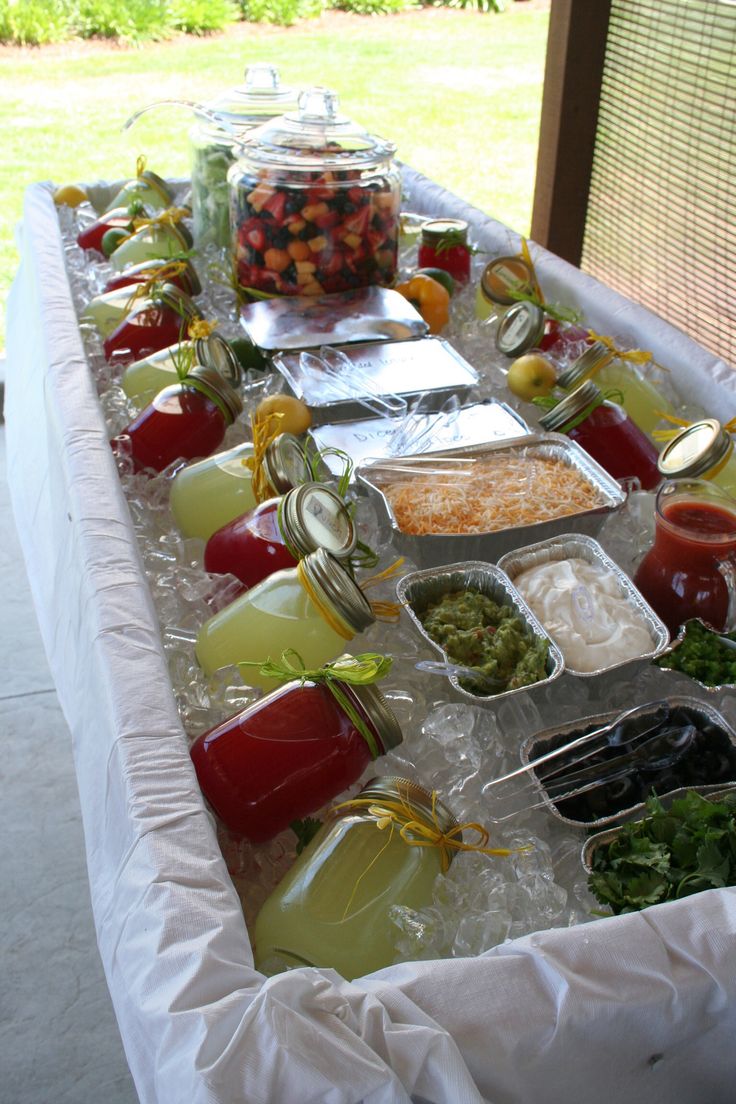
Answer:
(550, 738)
(434, 549)
(308, 321)
(419, 589)
(371, 438)
(601, 839)
(710, 688)
(403, 370)
(581, 547)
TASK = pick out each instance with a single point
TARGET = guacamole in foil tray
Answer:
(477, 632)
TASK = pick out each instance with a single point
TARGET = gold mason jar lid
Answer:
(695, 450)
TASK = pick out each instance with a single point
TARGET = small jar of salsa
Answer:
(606, 432)
(280, 532)
(690, 570)
(291, 752)
(444, 244)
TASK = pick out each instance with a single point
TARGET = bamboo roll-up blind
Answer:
(661, 220)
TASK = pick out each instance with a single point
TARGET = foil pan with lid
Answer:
(420, 589)
(435, 549)
(582, 547)
(550, 738)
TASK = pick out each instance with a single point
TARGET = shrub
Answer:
(132, 21)
(33, 22)
(479, 5)
(201, 16)
(372, 7)
(283, 12)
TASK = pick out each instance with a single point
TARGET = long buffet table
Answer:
(636, 1007)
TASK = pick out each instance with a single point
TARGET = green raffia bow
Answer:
(560, 314)
(359, 670)
(548, 402)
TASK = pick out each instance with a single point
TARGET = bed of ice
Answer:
(453, 747)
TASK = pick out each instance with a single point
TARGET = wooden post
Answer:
(576, 49)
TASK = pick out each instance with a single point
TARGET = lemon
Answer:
(69, 195)
(296, 417)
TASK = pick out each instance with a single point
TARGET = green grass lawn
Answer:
(458, 91)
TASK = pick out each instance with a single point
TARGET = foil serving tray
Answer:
(428, 367)
(600, 839)
(548, 738)
(580, 546)
(369, 438)
(308, 321)
(419, 589)
(709, 688)
(435, 549)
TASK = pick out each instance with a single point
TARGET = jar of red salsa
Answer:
(291, 752)
(154, 323)
(606, 433)
(690, 570)
(280, 532)
(186, 420)
(444, 244)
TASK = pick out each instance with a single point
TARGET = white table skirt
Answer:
(635, 1008)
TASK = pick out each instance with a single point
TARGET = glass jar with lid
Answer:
(216, 143)
(207, 495)
(186, 420)
(163, 238)
(153, 323)
(288, 754)
(279, 532)
(314, 204)
(144, 378)
(644, 404)
(444, 244)
(606, 432)
(499, 278)
(333, 908)
(147, 188)
(313, 608)
(703, 450)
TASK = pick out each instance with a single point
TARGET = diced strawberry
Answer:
(252, 234)
(316, 195)
(275, 206)
(333, 265)
(358, 196)
(358, 223)
(327, 221)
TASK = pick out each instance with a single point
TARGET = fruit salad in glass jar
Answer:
(314, 205)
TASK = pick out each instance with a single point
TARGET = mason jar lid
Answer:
(595, 357)
(172, 296)
(260, 97)
(695, 450)
(435, 230)
(570, 406)
(219, 387)
(520, 329)
(336, 588)
(313, 516)
(157, 183)
(506, 274)
(213, 351)
(417, 797)
(284, 463)
(317, 137)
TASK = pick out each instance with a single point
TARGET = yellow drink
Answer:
(275, 615)
(207, 495)
(333, 907)
(143, 379)
(106, 311)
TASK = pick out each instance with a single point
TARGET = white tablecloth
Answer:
(636, 1008)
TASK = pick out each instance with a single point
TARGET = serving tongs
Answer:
(338, 376)
(654, 747)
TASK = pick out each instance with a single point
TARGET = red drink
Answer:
(153, 324)
(619, 446)
(91, 237)
(687, 571)
(251, 547)
(288, 754)
(185, 420)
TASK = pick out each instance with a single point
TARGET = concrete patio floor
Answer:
(59, 1042)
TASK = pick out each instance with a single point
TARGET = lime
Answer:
(440, 276)
(112, 238)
